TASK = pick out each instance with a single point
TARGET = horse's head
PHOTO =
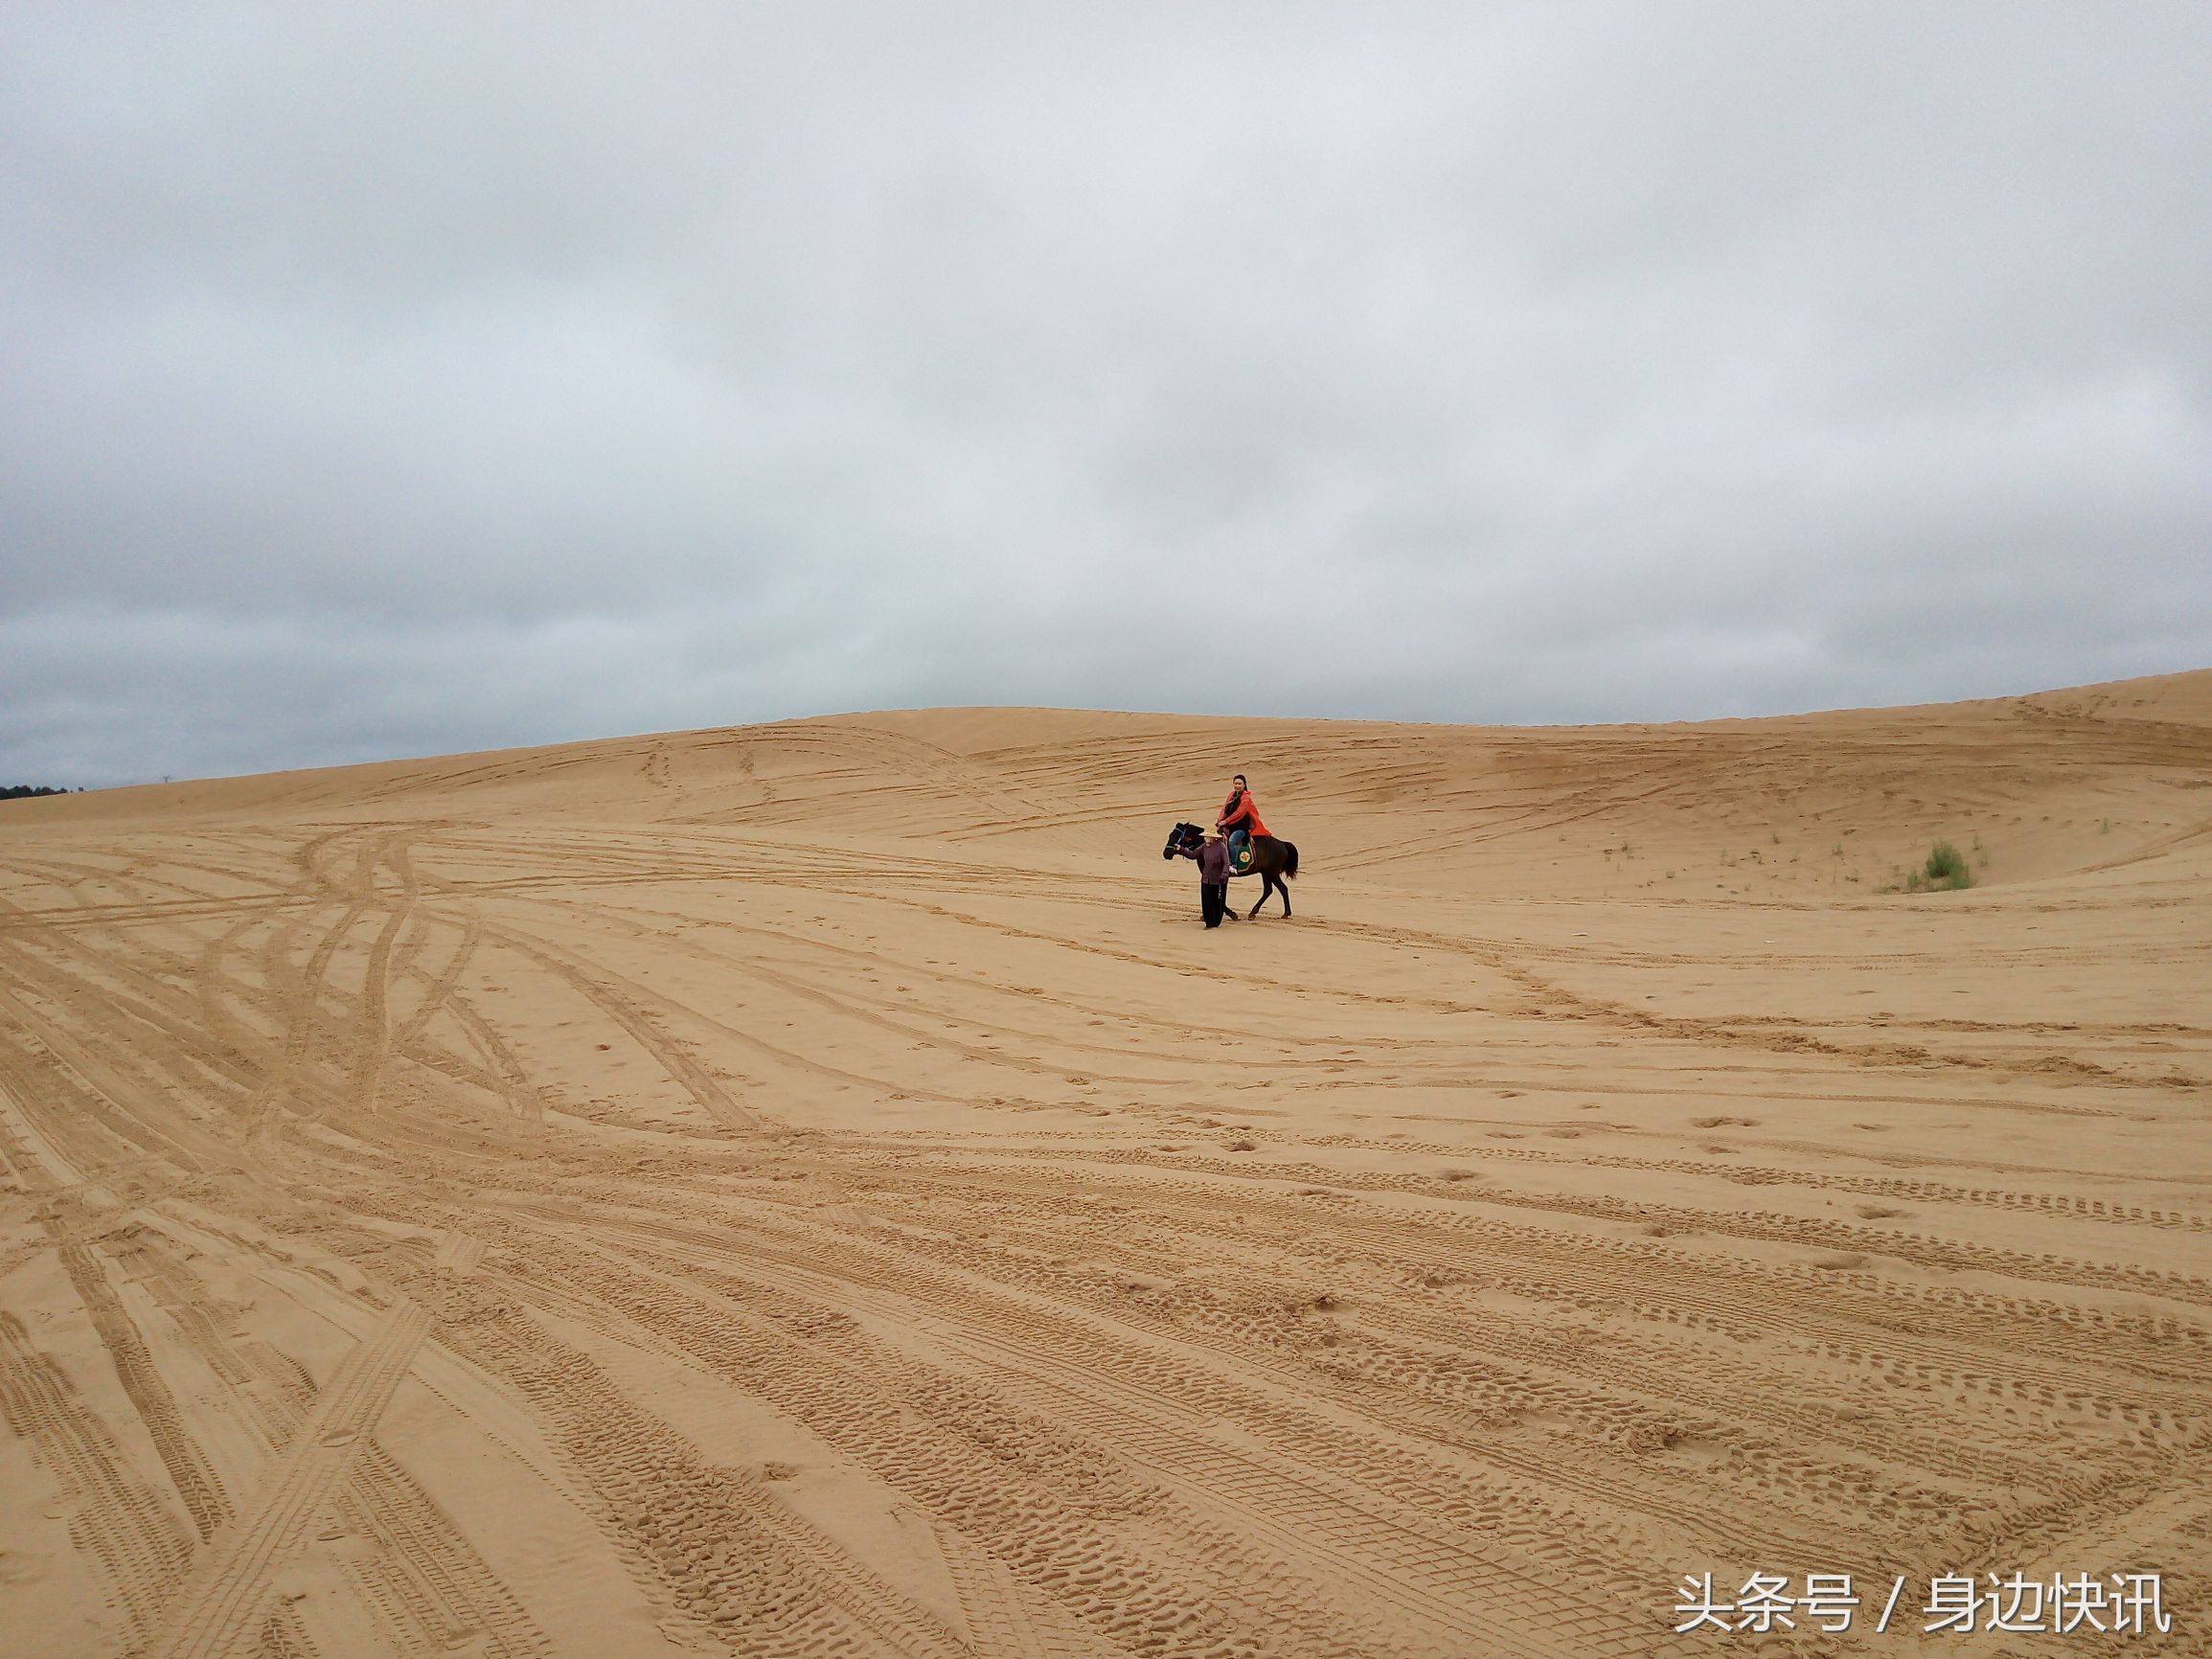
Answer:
(1182, 835)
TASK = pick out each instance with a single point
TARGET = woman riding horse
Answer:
(1240, 821)
(1274, 860)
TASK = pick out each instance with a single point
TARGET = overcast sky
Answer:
(378, 380)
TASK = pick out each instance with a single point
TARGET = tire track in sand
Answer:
(594, 984)
(220, 1601)
(113, 1515)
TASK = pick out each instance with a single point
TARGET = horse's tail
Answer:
(1290, 865)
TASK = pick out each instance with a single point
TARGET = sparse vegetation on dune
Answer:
(1944, 871)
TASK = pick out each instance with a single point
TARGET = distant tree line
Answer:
(18, 791)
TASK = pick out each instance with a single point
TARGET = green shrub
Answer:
(1946, 869)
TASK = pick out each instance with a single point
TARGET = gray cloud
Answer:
(398, 380)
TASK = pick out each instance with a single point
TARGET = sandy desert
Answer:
(815, 1189)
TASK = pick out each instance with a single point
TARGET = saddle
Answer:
(1240, 852)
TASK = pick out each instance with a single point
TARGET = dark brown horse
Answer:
(1274, 861)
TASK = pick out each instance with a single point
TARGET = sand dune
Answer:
(814, 1189)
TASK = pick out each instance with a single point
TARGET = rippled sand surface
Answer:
(815, 1189)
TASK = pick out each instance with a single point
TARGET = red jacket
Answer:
(1239, 813)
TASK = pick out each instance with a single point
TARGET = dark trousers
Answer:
(1213, 901)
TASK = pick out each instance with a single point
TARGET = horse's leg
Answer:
(1268, 886)
(1284, 888)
